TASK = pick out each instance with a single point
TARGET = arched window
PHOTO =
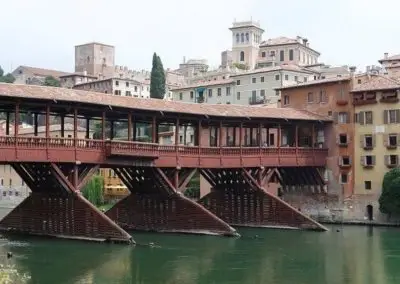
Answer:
(237, 37)
(242, 56)
(242, 37)
(247, 37)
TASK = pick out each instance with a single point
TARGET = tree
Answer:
(389, 201)
(51, 81)
(9, 78)
(241, 66)
(94, 190)
(157, 78)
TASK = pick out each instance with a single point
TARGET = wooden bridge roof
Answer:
(100, 99)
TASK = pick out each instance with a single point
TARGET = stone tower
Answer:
(96, 59)
(246, 39)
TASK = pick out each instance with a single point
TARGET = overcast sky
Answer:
(42, 33)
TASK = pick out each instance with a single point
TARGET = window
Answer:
(128, 93)
(263, 54)
(242, 38)
(310, 97)
(296, 78)
(343, 117)
(277, 77)
(238, 82)
(180, 96)
(253, 80)
(191, 95)
(345, 161)
(262, 93)
(237, 37)
(364, 117)
(286, 100)
(127, 84)
(286, 77)
(368, 117)
(367, 141)
(277, 92)
(291, 54)
(391, 141)
(341, 94)
(116, 83)
(10, 181)
(391, 116)
(305, 79)
(247, 37)
(367, 185)
(342, 141)
(228, 91)
(238, 95)
(242, 56)
(391, 160)
(219, 92)
(262, 79)
(322, 96)
(272, 53)
(368, 161)
(330, 113)
(135, 88)
(209, 93)
(343, 178)
(359, 81)
(282, 55)
(254, 94)
(180, 139)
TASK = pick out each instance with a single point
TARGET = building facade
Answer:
(391, 64)
(70, 80)
(377, 141)
(35, 76)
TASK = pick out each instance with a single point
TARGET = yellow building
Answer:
(377, 137)
(113, 186)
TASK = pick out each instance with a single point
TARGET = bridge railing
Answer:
(150, 149)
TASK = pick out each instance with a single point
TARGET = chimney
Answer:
(385, 55)
(305, 41)
(352, 69)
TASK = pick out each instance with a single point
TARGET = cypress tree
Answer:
(157, 78)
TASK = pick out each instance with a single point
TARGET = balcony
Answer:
(389, 97)
(364, 99)
(256, 101)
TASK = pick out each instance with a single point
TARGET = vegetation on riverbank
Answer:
(389, 201)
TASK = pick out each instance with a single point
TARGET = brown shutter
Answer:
(385, 140)
(362, 141)
(361, 117)
(348, 117)
(397, 115)
(373, 160)
(373, 140)
(372, 117)
(362, 160)
(335, 117)
(385, 116)
(398, 139)
(356, 118)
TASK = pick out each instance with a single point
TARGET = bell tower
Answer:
(246, 39)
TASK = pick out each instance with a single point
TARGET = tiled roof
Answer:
(286, 67)
(393, 57)
(156, 105)
(80, 74)
(376, 83)
(315, 82)
(204, 84)
(279, 41)
(53, 127)
(43, 72)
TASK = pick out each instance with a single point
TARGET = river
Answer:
(344, 255)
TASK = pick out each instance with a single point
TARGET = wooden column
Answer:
(296, 136)
(7, 123)
(220, 135)
(16, 119)
(241, 141)
(154, 130)
(36, 125)
(268, 142)
(199, 128)
(134, 128)
(62, 125)
(47, 122)
(177, 132)
(75, 127)
(103, 126)
(129, 127)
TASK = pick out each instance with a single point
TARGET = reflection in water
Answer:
(349, 255)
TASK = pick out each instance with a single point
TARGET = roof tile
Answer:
(376, 83)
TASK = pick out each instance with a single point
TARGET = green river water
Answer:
(345, 254)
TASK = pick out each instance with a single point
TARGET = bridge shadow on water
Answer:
(344, 255)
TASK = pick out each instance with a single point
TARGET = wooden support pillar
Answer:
(75, 181)
(36, 125)
(16, 119)
(268, 142)
(47, 121)
(313, 140)
(177, 132)
(103, 126)
(184, 134)
(7, 123)
(134, 128)
(176, 179)
(62, 121)
(129, 127)
(260, 127)
(112, 130)
(279, 136)
(220, 135)
(87, 128)
(75, 124)
(154, 130)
